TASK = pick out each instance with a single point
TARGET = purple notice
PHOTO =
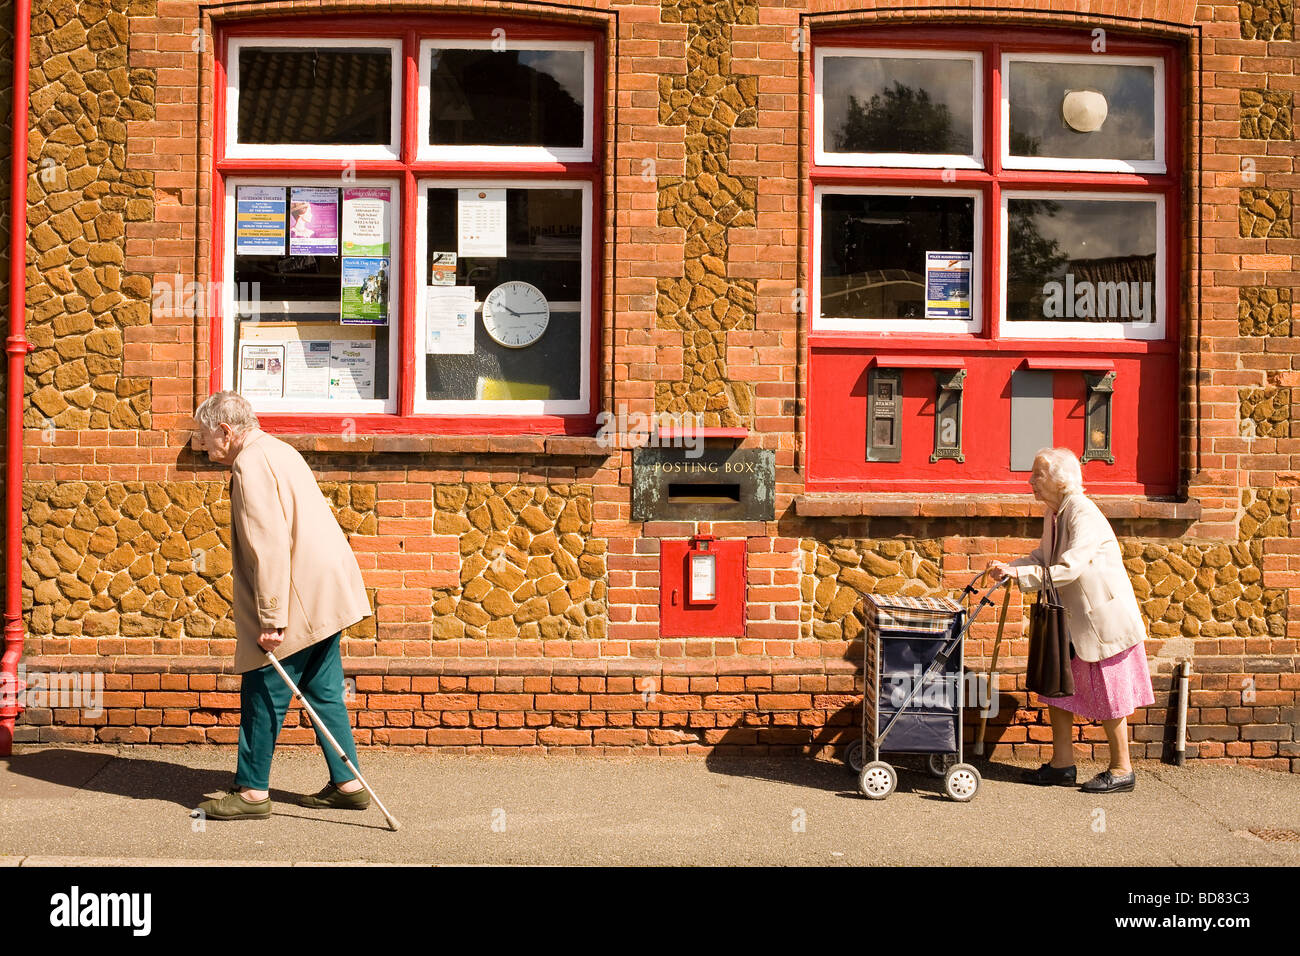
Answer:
(314, 221)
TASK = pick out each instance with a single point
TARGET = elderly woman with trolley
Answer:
(1080, 557)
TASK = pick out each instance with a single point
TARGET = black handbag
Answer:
(1049, 673)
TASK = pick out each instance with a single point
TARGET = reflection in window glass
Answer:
(305, 96)
(1077, 260)
(544, 250)
(510, 98)
(873, 251)
(891, 104)
(1038, 127)
(289, 342)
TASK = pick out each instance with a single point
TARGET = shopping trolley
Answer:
(913, 696)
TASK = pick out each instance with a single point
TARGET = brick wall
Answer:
(702, 260)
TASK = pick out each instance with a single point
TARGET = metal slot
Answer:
(698, 493)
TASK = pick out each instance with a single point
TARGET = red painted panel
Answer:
(678, 618)
(1144, 413)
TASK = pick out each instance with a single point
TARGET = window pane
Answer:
(289, 339)
(302, 96)
(1038, 119)
(1081, 260)
(891, 104)
(544, 250)
(874, 251)
(511, 98)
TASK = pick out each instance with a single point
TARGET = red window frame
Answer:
(408, 170)
(1149, 370)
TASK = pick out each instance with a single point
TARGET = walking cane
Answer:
(993, 666)
(322, 729)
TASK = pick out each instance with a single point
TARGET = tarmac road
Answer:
(102, 805)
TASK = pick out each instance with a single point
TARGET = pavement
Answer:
(87, 805)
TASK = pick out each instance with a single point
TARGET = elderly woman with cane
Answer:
(1107, 633)
(297, 585)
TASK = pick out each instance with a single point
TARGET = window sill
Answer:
(570, 446)
(982, 506)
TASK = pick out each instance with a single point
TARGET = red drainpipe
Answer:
(17, 348)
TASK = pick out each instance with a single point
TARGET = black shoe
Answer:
(1047, 775)
(1107, 782)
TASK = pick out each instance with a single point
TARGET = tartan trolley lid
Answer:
(895, 612)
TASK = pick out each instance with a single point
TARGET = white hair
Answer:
(228, 407)
(1062, 471)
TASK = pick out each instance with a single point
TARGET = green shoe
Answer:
(333, 797)
(233, 806)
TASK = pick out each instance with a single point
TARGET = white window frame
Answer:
(523, 407)
(1049, 329)
(238, 150)
(228, 296)
(1148, 166)
(825, 157)
(426, 151)
(823, 323)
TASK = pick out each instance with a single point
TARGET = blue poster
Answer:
(947, 285)
(259, 220)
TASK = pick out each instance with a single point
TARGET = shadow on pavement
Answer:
(57, 772)
(835, 776)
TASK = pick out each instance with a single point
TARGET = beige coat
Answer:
(293, 567)
(1088, 572)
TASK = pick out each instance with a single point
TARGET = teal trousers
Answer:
(264, 699)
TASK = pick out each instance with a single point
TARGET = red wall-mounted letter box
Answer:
(702, 588)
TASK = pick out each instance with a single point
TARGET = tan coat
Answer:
(293, 567)
(1102, 614)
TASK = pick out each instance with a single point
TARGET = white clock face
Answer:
(516, 314)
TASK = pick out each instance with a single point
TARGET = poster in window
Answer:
(365, 221)
(313, 221)
(947, 285)
(307, 369)
(364, 299)
(352, 369)
(259, 220)
(449, 320)
(442, 268)
(481, 223)
(261, 371)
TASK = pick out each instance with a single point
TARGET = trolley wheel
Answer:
(940, 764)
(961, 782)
(877, 780)
(854, 756)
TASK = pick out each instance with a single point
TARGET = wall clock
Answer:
(516, 314)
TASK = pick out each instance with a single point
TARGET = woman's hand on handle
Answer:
(998, 570)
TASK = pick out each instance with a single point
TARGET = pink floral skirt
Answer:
(1109, 688)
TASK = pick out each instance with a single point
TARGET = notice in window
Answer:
(352, 369)
(261, 371)
(307, 369)
(442, 268)
(947, 285)
(449, 320)
(259, 220)
(365, 221)
(481, 223)
(313, 221)
(365, 292)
